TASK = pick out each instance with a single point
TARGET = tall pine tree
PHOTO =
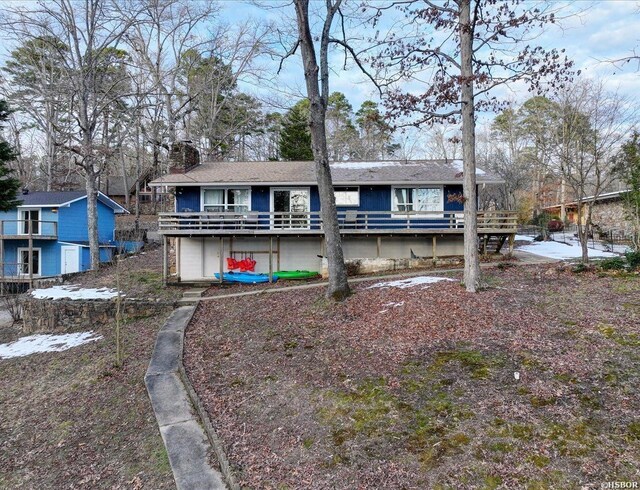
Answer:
(9, 185)
(295, 138)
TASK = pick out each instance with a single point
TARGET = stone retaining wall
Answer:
(65, 315)
(611, 216)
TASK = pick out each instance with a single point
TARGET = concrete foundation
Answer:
(199, 259)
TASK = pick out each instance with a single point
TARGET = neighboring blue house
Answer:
(55, 223)
(270, 211)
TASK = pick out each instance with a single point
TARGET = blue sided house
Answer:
(47, 235)
(270, 212)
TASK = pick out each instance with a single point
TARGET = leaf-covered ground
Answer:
(71, 420)
(416, 387)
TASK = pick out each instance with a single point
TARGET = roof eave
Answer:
(307, 183)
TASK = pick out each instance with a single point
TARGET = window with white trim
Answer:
(23, 261)
(225, 200)
(408, 199)
(347, 196)
(30, 220)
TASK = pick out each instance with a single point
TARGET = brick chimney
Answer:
(183, 157)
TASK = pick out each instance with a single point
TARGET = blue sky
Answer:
(590, 32)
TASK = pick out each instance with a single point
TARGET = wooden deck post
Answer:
(434, 244)
(2, 253)
(178, 242)
(221, 250)
(2, 258)
(31, 255)
(378, 246)
(271, 259)
(165, 261)
(278, 252)
(512, 238)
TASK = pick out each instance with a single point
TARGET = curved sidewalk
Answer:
(187, 443)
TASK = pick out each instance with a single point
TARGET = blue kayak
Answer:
(245, 277)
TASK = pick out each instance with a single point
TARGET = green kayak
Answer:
(295, 275)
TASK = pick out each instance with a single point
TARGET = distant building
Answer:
(47, 235)
(607, 212)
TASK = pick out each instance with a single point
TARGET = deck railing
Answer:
(349, 221)
(18, 228)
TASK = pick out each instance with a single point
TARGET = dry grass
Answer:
(71, 420)
(415, 388)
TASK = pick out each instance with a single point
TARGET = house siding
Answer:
(372, 198)
(106, 254)
(187, 198)
(74, 220)
(49, 256)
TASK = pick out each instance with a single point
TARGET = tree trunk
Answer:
(338, 285)
(583, 233)
(471, 262)
(92, 218)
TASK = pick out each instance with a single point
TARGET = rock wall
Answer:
(63, 315)
(610, 216)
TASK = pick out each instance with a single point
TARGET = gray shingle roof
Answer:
(355, 172)
(52, 198)
(57, 198)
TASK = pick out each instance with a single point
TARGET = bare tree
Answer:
(86, 35)
(465, 48)
(593, 124)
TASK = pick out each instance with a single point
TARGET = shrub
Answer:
(633, 259)
(613, 264)
(581, 267)
(555, 225)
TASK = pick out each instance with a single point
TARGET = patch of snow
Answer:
(561, 251)
(34, 344)
(459, 166)
(524, 238)
(410, 282)
(74, 292)
(592, 244)
(369, 165)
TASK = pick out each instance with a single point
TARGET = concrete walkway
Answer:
(187, 444)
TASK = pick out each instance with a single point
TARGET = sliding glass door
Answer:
(290, 208)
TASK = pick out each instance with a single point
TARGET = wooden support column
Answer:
(434, 243)
(270, 259)
(221, 250)
(31, 255)
(165, 260)
(278, 252)
(485, 243)
(512, 238)
(378, 246)
(178, 242)
(2, 260)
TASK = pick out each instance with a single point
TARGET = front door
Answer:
(291, 208)
(70, 259)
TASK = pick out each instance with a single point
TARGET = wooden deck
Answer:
(352, 223)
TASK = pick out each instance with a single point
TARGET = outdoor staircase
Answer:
(491, 244)
(191, 296)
